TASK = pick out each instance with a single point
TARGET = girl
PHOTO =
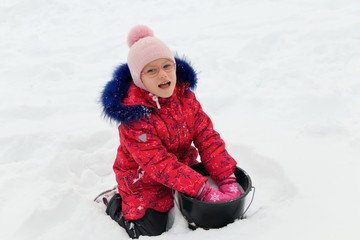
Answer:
(160, 118)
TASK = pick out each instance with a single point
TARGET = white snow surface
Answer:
(280, 80)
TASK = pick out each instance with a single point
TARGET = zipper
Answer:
(156, 100)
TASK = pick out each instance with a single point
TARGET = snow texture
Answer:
(280, 80)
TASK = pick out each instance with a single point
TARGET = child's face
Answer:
(159, 77)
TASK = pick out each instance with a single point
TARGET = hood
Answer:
(116, 90)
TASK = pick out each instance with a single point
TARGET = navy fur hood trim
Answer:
(117, 88)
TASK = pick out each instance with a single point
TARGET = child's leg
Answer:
(152, 224)
(114, 207)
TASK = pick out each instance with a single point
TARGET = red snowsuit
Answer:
(155, 151)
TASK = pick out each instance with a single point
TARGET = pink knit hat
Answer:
(144, 48)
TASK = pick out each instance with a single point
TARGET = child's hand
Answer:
(230, 187)
(208, 194)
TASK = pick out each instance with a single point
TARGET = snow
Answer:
(280, 80)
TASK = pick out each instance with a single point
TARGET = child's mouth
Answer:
(164, 85)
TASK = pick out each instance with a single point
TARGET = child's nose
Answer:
(162, 73)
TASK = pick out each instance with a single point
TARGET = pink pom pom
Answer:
(138, 33)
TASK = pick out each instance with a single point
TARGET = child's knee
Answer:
(114, 207)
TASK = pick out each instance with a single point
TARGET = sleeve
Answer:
(211, 146)
(146, 148)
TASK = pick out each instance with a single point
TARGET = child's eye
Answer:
(151, 70)
(167, 66)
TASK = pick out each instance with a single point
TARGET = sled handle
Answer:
(252, 199)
